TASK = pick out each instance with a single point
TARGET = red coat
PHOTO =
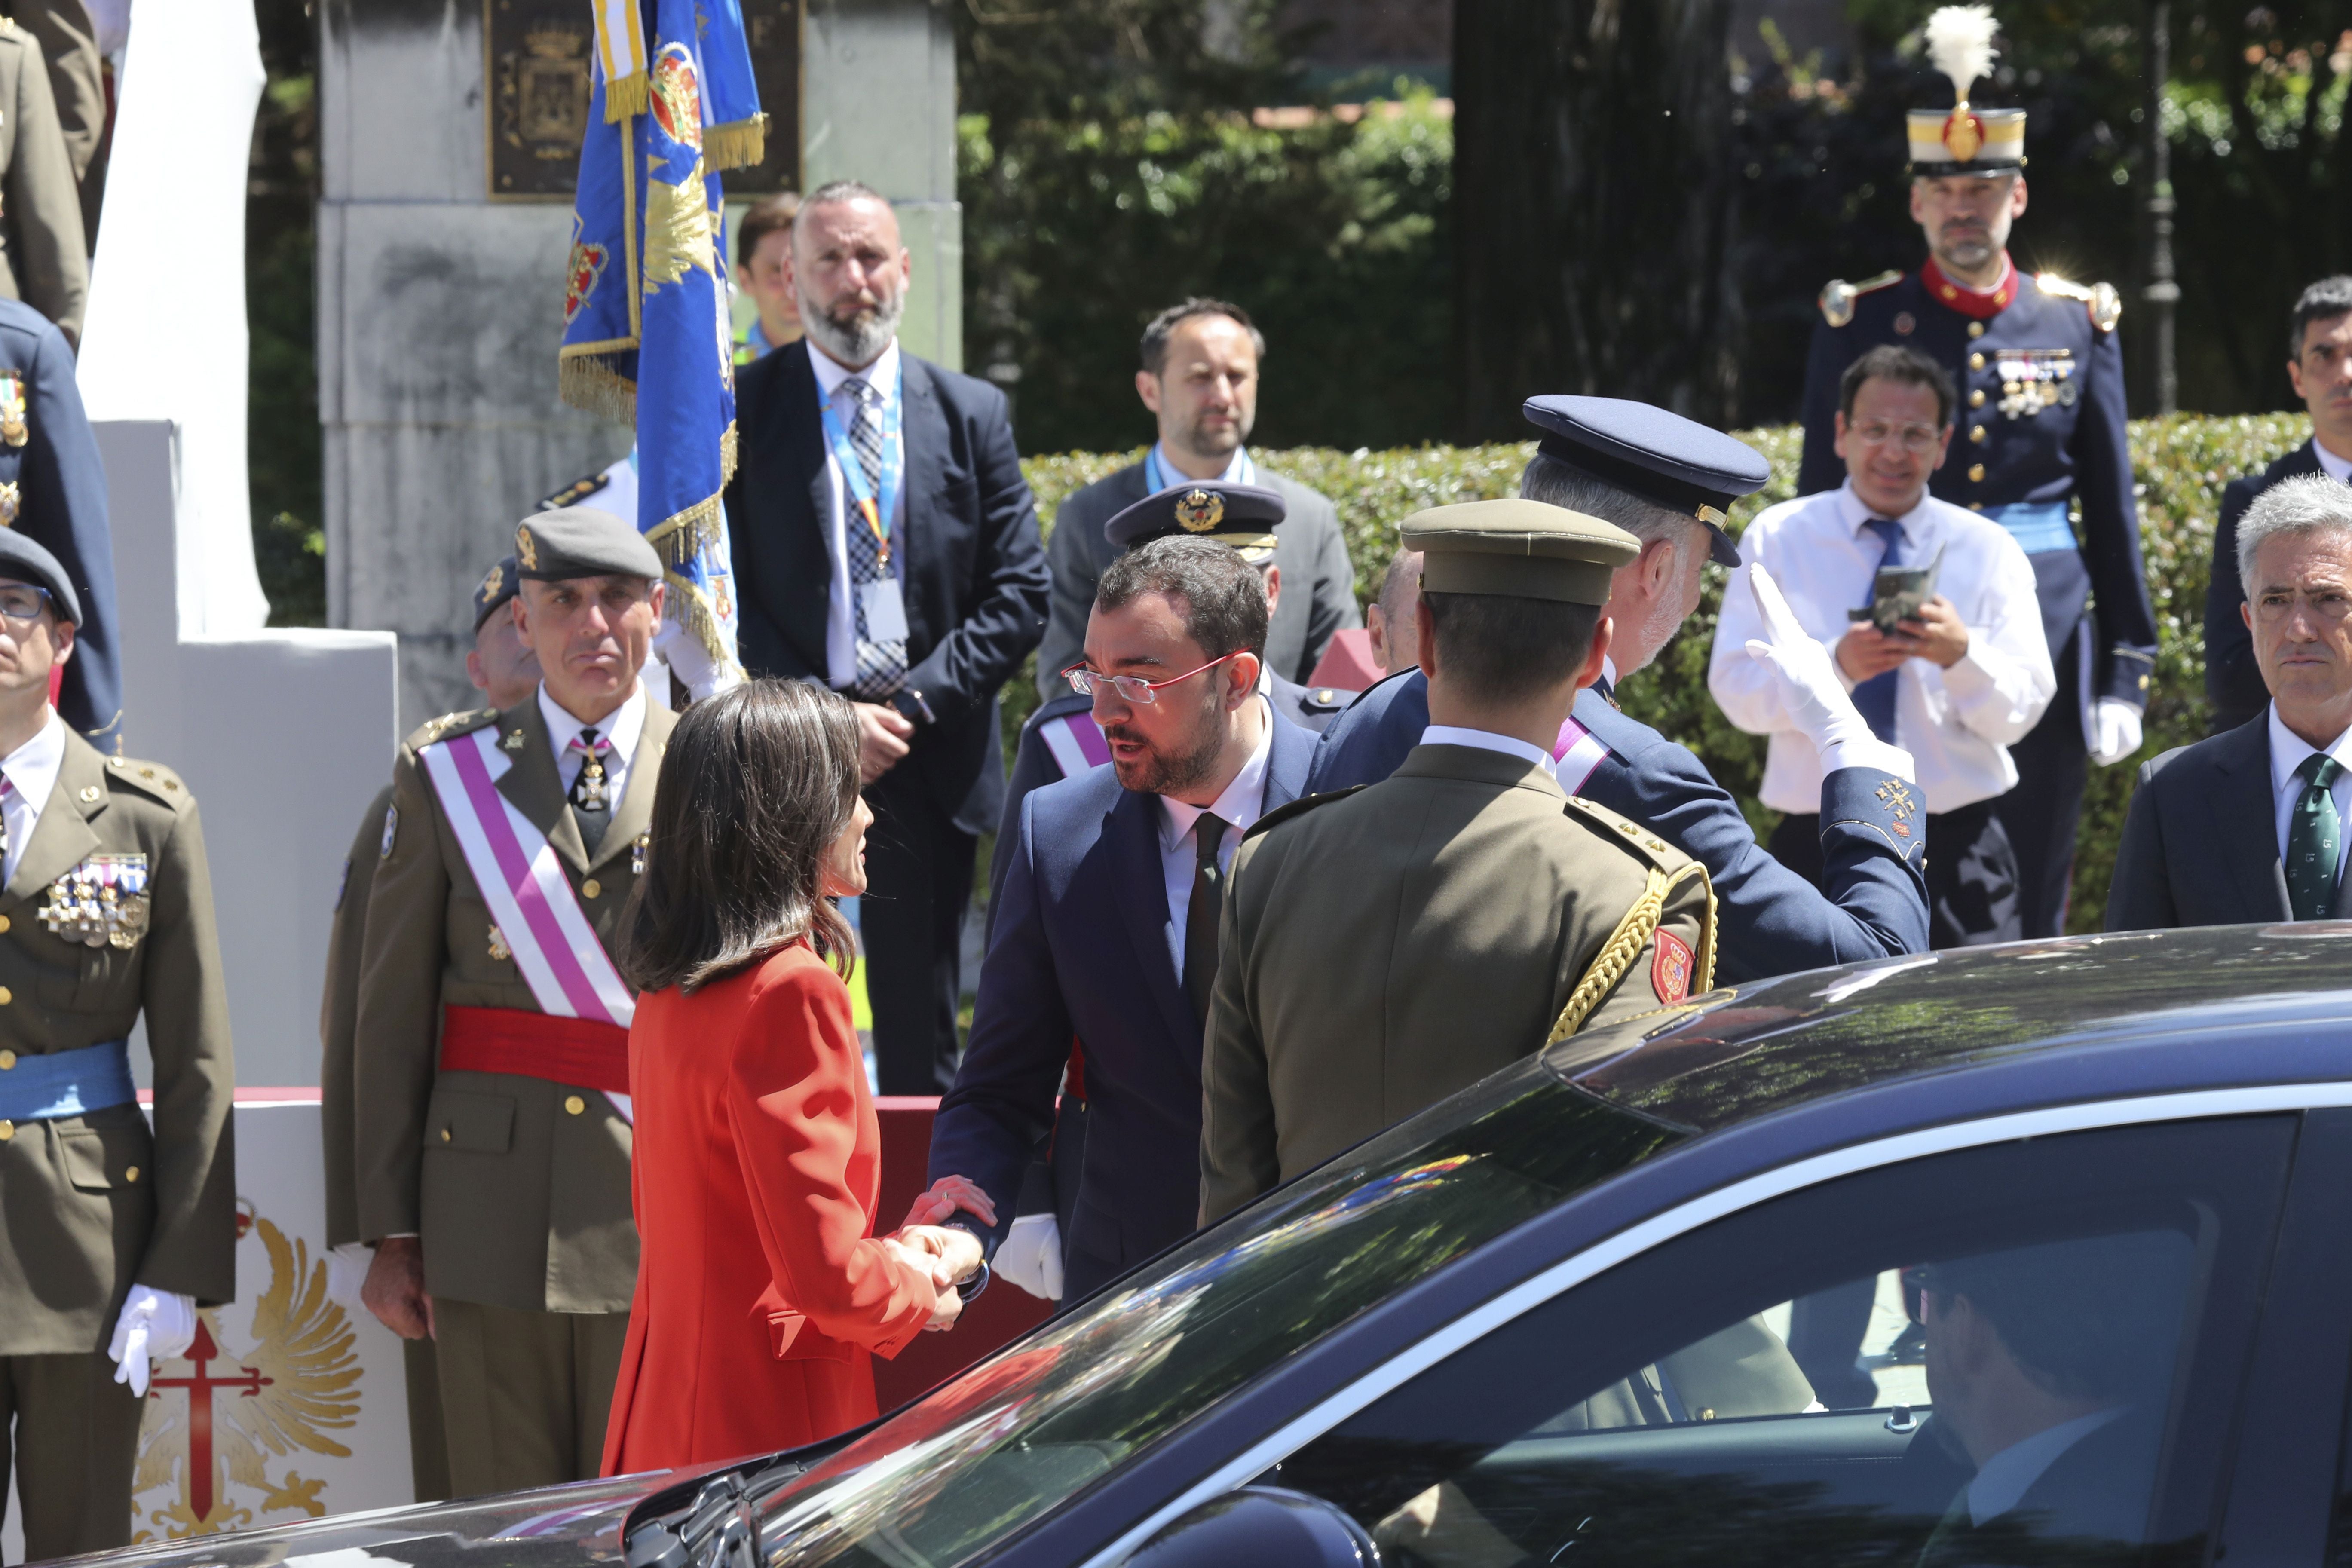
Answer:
(758, 1160)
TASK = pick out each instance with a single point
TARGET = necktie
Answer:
(7, 789)
(881, 665)
(1200, 915)
(589, 808)
(2313, 836)
(1875, 698)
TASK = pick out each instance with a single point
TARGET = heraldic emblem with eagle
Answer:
(219, 1419)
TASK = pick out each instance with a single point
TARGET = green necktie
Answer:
(2313, 836)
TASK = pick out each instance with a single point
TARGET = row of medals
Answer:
(101, 902)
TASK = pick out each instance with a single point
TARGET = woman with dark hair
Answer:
(762, 1289)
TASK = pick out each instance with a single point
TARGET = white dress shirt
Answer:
(2335, 467)
(1487, 741)
(1159, 469)
(1242, 803)
(32, 770)
(840, 619)
(2008, 1475)
(1956, 724)
(622, 727)
(2287, 751)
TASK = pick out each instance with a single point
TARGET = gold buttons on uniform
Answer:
(1975, 505)
(574, 1105)
(1977, 434)
(444, 1135)
(130, 1173)
(1975, 361)
(1976, 329)
(4, 924)
(6, 996)
(1976, 477)
(90, 792)
(1976, 398)
(8, 1060)
(593, 888)
(8, 1130)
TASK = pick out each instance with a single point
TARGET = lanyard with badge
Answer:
(1157, 477)
(884, 604)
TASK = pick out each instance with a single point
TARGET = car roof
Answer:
(2205, 1005)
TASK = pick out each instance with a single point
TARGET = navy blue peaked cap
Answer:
(27, 562)
(1659, 456)
(1243, 516)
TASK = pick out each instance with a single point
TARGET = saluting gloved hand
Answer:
(2117, 724)
(1031, 1257)
(1811, 693)
(155, 1325)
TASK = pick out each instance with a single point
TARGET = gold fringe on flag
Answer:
(681, 538)
(693, 611)
(632, 94)
(737, 144)
(589, 378)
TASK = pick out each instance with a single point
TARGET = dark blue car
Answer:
(2036, 1254)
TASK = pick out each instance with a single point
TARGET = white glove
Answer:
(347, 1271)
(155, 1325)
(2117, 724)
(1031, 1257)
(1811, 693)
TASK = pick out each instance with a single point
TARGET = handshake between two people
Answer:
(948, 1253)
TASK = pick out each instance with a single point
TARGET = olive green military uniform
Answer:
(517, 1186)
(339, 1011)
(91, 1204)
(46, 261)
(1385, 948)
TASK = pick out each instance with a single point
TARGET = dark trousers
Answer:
(1973, 883)
(919, 868)
(74, 1432)
(2042, 811)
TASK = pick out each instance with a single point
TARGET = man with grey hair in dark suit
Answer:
(1199, 377)
(2249, 824)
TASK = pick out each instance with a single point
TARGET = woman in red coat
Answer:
(762, 1289)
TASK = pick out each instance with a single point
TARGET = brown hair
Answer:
(1157, 332)
(1222, 596)
(1498, 647)
(1905, 367)
(754, 784)
(769, 215)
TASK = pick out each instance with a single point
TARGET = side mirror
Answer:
(1260, 1527)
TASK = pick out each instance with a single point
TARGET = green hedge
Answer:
(2180, 464)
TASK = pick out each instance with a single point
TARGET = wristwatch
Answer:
(968, 1287)
(910, 705)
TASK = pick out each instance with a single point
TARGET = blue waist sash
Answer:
(68, 1083)
(2038, 526)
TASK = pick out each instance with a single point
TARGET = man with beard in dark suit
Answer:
(885, 545)
(2319, 364)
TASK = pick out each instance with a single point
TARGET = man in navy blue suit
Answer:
(1106, 930)
(1668, 480)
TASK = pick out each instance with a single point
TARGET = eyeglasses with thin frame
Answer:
(1134, 688)
(1913, 438)
(23, 602)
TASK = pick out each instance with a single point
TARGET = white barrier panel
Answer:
(289, 1405)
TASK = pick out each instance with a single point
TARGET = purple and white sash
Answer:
(530, 901)
(1076, 742)
(1575, 755)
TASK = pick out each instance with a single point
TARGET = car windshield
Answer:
(1012, 1438)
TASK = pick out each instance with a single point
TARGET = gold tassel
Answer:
(694, 612)
(630, 95)
(682, 537)
(737, 144)
(592, 380)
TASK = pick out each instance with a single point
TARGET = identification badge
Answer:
(886, 611)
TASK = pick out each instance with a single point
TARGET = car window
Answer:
(2024, 1352)
(1028, 1429)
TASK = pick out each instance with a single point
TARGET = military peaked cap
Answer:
(1663, 457)
(1521, 548)
(1243, 516)
(27, 562)
(582, 541)
(491, 594)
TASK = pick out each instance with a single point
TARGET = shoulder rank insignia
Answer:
(2103, 303)
(391, 832)
(11, 501)
(575, 492)
(450, 724)
(101, 902)
(1838, 296)
(1299, 808)
(15, 427)
(1325, 699)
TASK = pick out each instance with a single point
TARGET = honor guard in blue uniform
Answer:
(2040, 378)
(1668, 481)
(53, 492)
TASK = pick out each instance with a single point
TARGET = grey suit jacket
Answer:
(1318, 583)
(2201, 845)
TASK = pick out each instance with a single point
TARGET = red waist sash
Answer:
(577, 1051)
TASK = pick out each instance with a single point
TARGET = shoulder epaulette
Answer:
(1838, 295)
(1666, 868)
(1325, 699)
(575, 492)
(1643, 844)
(1299, 808)
(2101, 300)
(450, 724)
(149, 778)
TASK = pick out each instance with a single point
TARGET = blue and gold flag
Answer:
(647, 328)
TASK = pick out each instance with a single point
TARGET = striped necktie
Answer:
(881, 664)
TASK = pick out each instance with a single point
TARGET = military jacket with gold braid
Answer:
(2041, 421)
(517, 1186)
(1387, 946)
(109, 917)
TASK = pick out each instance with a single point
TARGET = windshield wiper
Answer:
(718, 1530)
